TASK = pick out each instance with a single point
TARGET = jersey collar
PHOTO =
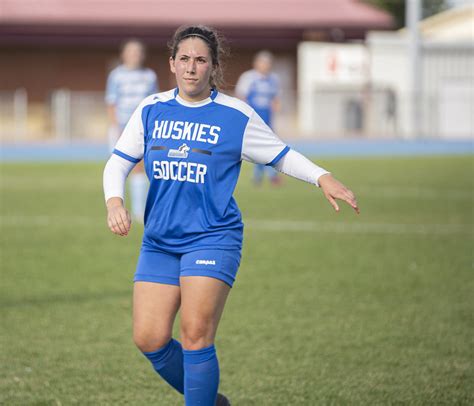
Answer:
(200, 103)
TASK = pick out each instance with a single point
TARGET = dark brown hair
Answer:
(215, 43)
(137, 41)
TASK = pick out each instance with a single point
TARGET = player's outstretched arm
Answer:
(335, 190)
(118, 217)
(298, 166)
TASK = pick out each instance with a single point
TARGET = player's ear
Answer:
(172, 68)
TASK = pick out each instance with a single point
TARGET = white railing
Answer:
(13, 114)
(337, 113)
(78, 115)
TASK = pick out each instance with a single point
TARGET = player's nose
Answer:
(191, 66)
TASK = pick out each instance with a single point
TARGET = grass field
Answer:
(328, 309)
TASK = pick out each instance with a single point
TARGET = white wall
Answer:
(390, 69)
(446, 68)
(327, 68)
(448, 83)
(369, 74)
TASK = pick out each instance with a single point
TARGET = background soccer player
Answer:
(193, 140)
(260, 88)
(127, 85)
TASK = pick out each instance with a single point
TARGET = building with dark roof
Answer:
(50, 44)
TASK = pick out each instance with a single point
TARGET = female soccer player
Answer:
(192, 140)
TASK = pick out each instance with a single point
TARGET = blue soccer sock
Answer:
(201, 376)
(168, 362)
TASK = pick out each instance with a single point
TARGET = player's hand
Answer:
(333, 189)
(118, 217)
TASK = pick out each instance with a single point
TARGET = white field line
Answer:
(375, 191)
(262, 225)
(357, 228)
(55, 221)
(391, 192)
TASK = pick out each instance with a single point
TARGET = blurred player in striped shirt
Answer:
(127, 85)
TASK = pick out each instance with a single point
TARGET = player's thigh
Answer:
(156, 293)
(155, 306)
(202, 303)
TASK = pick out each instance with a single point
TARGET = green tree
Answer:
(397, 8)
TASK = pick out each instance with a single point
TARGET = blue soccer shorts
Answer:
(165, 267)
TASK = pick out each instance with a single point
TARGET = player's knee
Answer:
(196, 334)
(148, 342)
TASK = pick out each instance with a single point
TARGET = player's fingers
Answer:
(111, 225)
(338, 193)
(350, 198)
(354, 205)
(115, 223)
(115, 228)
(124, 220)
(119, 224)
(351, 201)
(344, 194)
(333, 202)
(350, 194)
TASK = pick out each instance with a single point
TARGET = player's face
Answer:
(263, 65)
(133, 55)
(193, 68)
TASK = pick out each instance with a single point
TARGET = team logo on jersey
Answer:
(181, 152)
(205, 262)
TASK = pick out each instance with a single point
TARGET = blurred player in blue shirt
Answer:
(260, 88)
(127, 85)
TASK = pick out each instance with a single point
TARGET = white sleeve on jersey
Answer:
(260, 144)
(132, 141)
(115, 174)
(298, 166)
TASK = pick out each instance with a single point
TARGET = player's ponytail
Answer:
(214, 41)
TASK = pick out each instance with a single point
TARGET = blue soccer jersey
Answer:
(192, 154)
(259, 91)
